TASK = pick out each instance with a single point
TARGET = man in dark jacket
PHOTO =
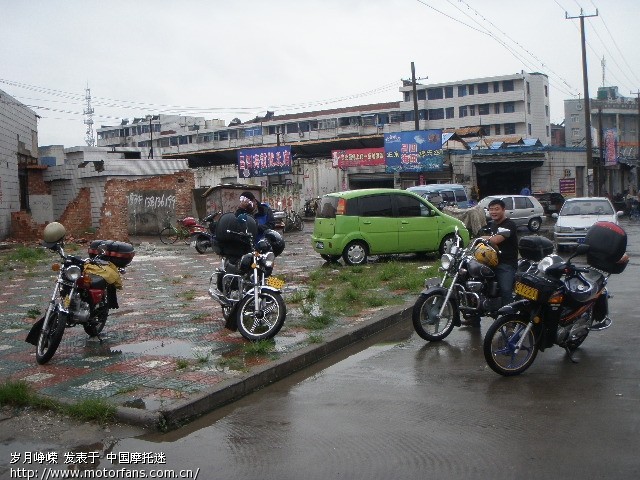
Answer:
(263, 214)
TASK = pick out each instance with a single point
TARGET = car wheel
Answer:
(355, 253)
(446, 244)
(534, 224)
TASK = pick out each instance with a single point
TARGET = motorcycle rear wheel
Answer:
(50, 337)
(94, 328)
(426, 321)
(202, 244)
(500, 342)
(269, 320)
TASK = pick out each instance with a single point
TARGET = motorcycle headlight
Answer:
(547, 261)
(268, 259)
(72, 273)
(446, 261)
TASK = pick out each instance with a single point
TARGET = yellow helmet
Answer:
(486, 255)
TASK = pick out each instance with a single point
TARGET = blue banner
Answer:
(258, 162)
(417, 151)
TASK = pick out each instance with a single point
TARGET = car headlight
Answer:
(72, 273)
(563, 229)
(446, 261)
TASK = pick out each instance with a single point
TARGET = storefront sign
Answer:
(610, 146)
(258, 162)
(568, 187)
(416, 151)
(362, 157)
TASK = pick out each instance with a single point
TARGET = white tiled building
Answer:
(18, 151)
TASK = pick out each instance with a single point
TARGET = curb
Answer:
(234, 389)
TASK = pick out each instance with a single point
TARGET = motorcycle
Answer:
(251, 299)
(472, 290)
(558, 304)
(203, 241)
(84, 292)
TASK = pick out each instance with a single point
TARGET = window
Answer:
(483, 88)
(407, 97)
(395, 117)
(528, 89)
(462, 112)
(422, 94)
(448, 92)
(408, 206)
(483, 109)
(497, 129)
(293, 127)
(546, 110)
(575, 132)
(509, 107)
(434, 93)
(471, 89)
(507, 86)
(575, 118)
(546, 91)
(375, 206)
(496, 108)
(496, 87)
(436, 114)
(529, 129)
(508, 203)
(462, 90)
(547, 130)
(509, 128)
(522, 202)
(449, 112)
(327, 124)
(472, 110)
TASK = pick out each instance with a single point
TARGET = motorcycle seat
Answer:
(98, 282)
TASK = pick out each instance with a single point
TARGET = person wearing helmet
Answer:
(262, 213)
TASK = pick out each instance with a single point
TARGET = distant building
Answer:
(18, 154)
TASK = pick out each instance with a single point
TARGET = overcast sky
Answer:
(226, 59)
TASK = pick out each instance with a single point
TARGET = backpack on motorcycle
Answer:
(607, 245)
(119, 253)
(228, 244)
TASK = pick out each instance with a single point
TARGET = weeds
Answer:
(182, 363)
(187, 294)
(261, 347)
(315, 338)
(33, 313)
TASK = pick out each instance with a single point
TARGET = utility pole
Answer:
(637, 136)
(587, 100)
(151, 137)
(415, 97)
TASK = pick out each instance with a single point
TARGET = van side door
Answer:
(418, 225)
(378, 226)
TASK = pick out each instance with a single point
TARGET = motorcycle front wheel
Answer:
(265, 321)
(500, 346)
(50, 337)
(428, 322)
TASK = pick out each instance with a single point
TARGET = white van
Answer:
(451, 193)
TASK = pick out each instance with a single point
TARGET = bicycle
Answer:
(293, 221)
(186, 228)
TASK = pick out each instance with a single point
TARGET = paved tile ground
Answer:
(167, 341)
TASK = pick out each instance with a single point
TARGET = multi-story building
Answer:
(18, 154)
(615, 115)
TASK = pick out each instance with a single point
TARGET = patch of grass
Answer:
(232, 363)
(128, 389)
(318, 322)
(33, 313)
(29, 256)
(261, 347)
(187, 294)
(202, 357)
(92, 409)
(182, 363)
(199, 316)
(297, 297)
(315, 338)
(18, 394)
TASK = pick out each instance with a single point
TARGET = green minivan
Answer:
(380, 221)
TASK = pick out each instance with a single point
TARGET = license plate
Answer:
(526, 291)
(275, 282)
(581, 240)
(319, 245)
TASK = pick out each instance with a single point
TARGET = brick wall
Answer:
(76, 218)
(114, 213)
(36, 183)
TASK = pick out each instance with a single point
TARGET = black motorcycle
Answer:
(251, 299)
(558, 304)
(468, 288)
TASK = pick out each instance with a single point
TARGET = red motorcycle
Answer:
(85, 290)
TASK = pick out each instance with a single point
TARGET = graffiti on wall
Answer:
(150, 211)
(284, 197)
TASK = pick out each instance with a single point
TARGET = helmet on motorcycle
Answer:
(486, 255)
(54, 232)
(245, 263)
(276, 241)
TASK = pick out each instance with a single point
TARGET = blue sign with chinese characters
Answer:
(417, 151)
(258, 162)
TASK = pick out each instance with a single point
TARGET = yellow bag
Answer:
(109, 272)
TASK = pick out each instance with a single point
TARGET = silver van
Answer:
(451, 193)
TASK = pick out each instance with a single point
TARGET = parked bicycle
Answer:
(187, 227)
(293, 222)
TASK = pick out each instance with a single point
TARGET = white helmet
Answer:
(54, 232)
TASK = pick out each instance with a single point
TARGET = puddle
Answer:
(173, 348)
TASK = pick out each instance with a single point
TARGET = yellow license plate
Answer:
(275, 282)
(526, 291)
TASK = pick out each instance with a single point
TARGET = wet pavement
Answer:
(165, 355)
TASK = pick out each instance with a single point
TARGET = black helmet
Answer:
(276, 241)
(263, 246)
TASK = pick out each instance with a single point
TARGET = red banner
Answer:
(362, 157)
